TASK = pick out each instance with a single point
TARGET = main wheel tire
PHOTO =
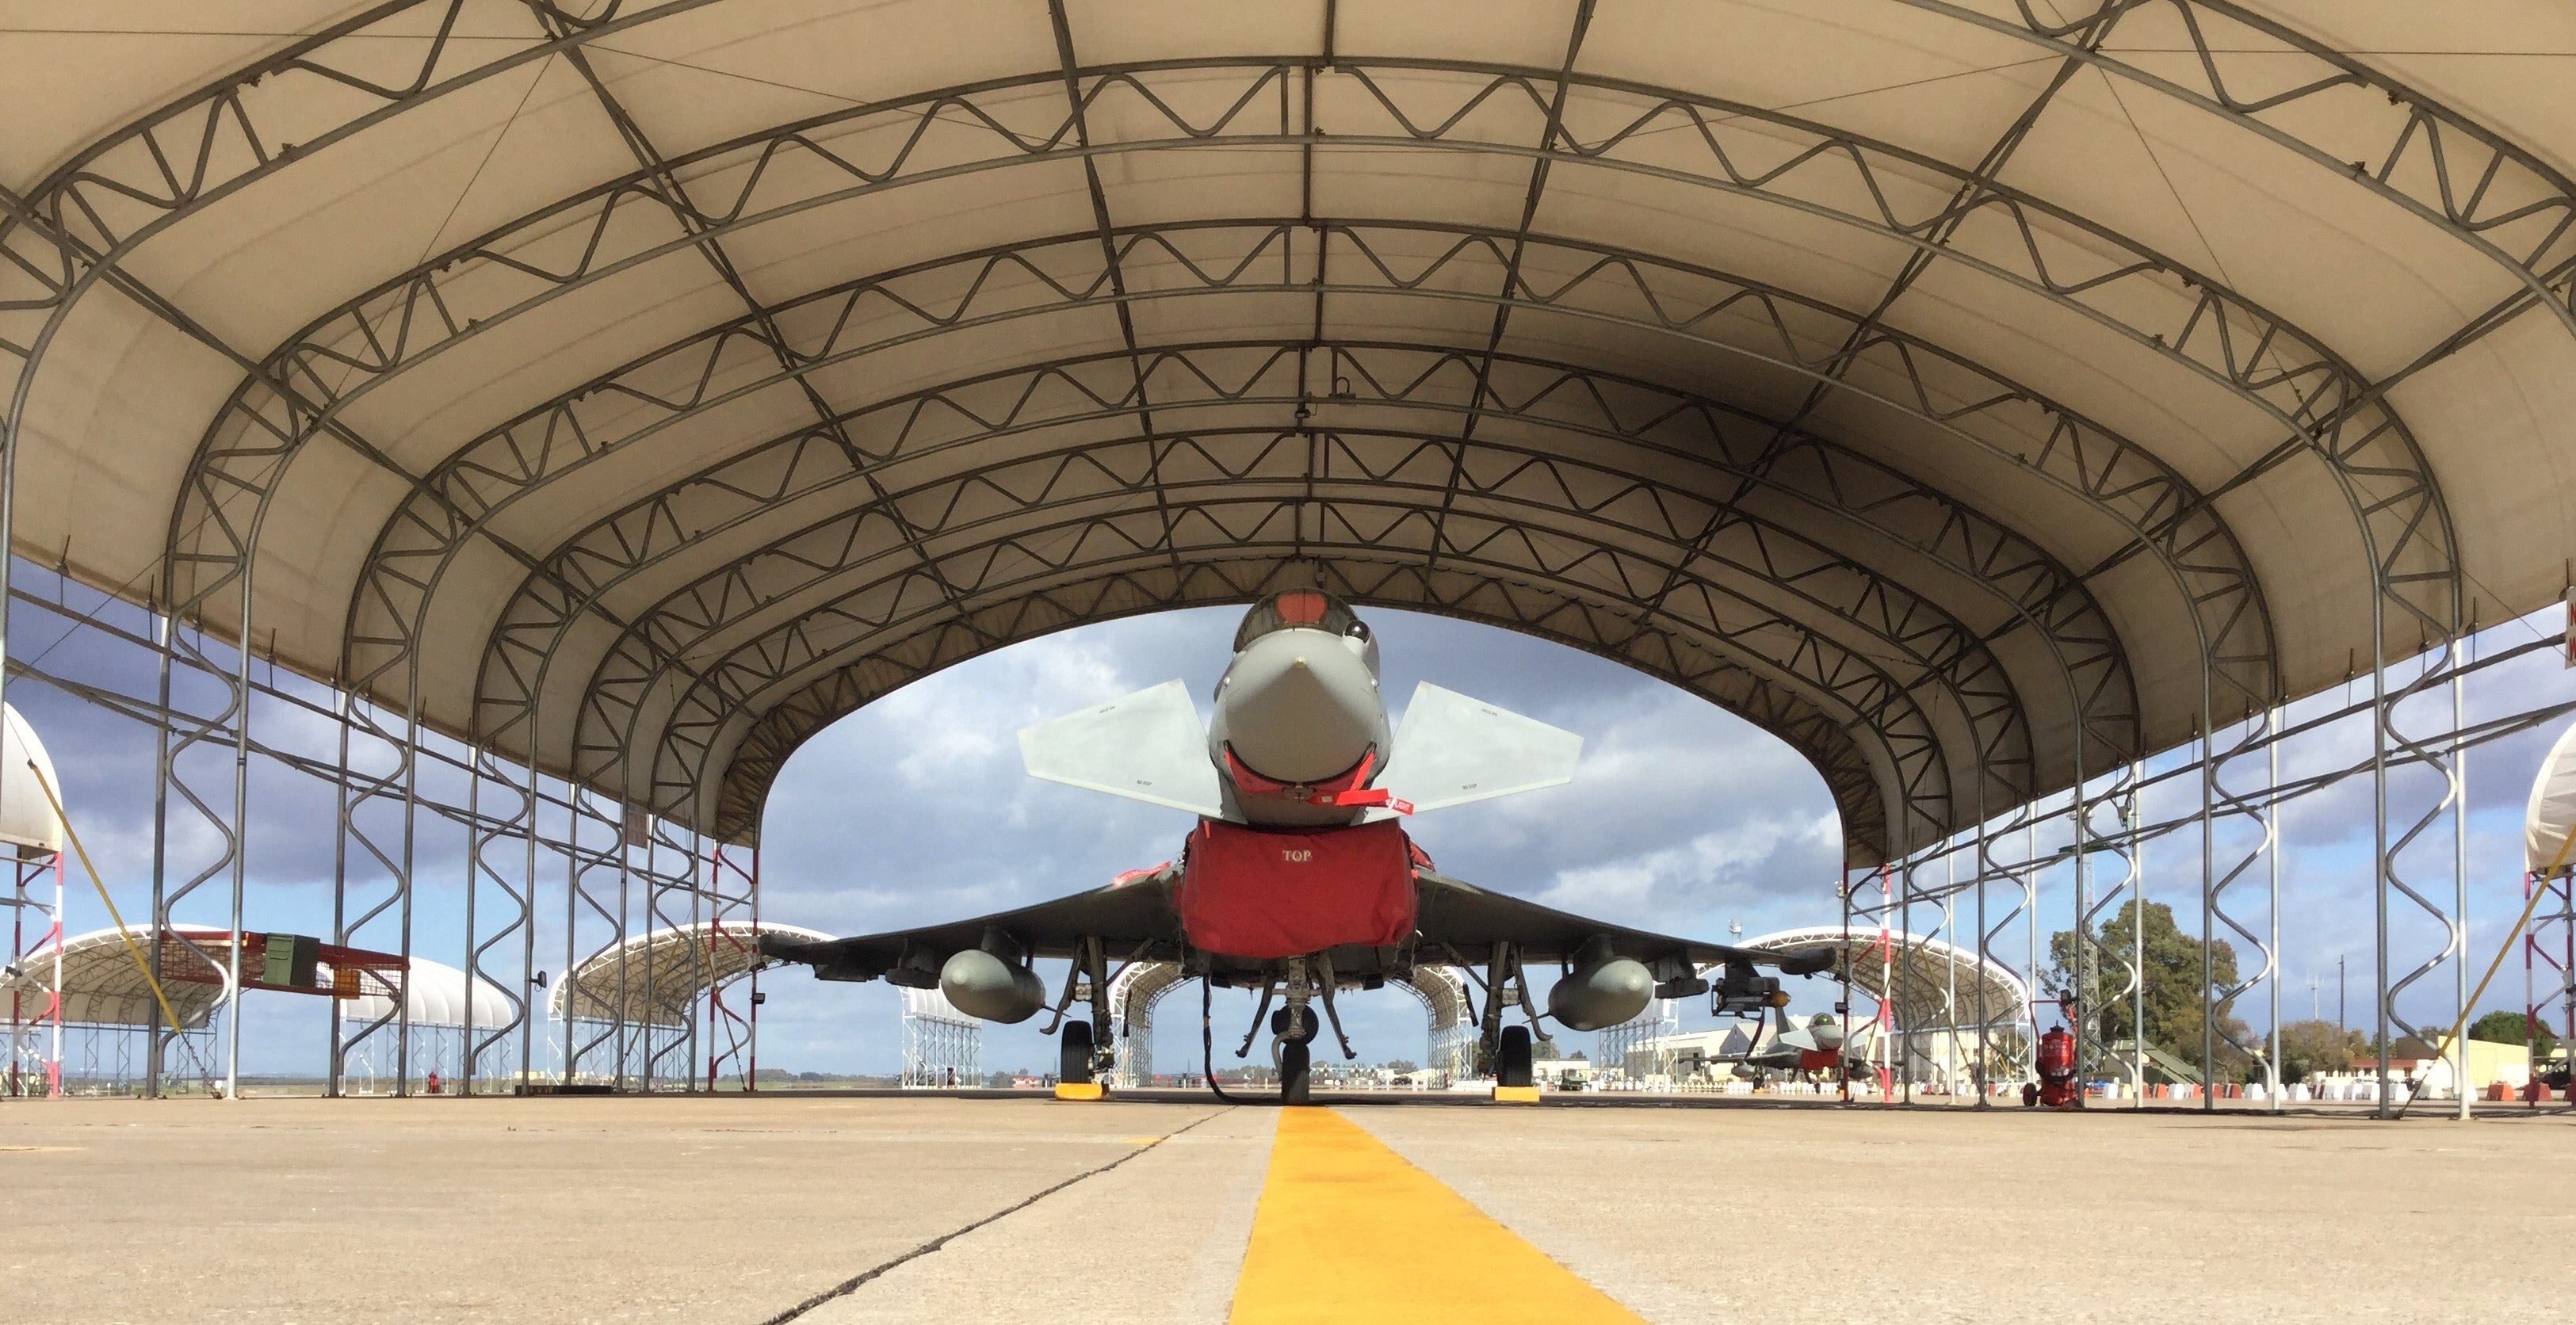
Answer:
(1294, 1060)
(1073, 1053)
(1512, 1061)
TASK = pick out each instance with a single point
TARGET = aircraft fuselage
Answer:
(1299, 719)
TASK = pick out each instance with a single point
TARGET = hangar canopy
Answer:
(1932, 982)
(1974, 393)
(652, 978)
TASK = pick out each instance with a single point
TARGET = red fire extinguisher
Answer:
(2057, 1087)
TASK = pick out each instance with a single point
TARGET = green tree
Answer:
(2309, 1047)
(2173, 979)
(2510, 1028)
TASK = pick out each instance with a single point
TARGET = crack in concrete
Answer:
(853, 1284)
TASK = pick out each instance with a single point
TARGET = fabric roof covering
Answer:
(435, 994)
(2549, 819)
(27, 818)
(1921, 969)
(103, 987)
(1949, 386)
(652, 978)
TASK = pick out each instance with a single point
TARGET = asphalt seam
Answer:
(852, 1285)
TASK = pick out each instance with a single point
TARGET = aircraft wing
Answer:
(1452, 750)
(1136, 916)
(1148, 746)
(1135, 912)
(1470, 920)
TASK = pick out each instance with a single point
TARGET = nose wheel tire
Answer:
(1294, 1060)
(1512, 1060)
(1305, 1030)
(1073, 1053)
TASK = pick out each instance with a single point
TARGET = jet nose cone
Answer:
(1299, 707)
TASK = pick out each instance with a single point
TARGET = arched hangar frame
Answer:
(1919, 436)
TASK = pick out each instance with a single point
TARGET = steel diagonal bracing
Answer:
(2185, 517)
(1779, 557)
(555, 438)
(2215, 332)
(1078, 121)
(2386, 176)
(2502, 200)
(1085, 547)
(560, 424)
(676, 198)
(1552, 130)
(1039, 482)
(91, 212)
(1937, 235)
(655, 527)
(747, 487)
(2413, 152)
(1689, 662)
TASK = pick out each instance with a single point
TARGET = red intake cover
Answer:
(1263, 893)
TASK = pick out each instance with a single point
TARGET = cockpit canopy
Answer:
(1299, 609)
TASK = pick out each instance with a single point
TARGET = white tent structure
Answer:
(1928, 983)
(641, 1000)
(434, 995)
(2549, 820)
(436, 1011)
(1982, 398)
(102, 986)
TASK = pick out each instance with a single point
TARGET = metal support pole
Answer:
(2208, 911)
(1842, 969)
(2272, 844)
(2088, 1047)
(2137, 940)
(2462, 651)
(529, 1023)
(162, 629)
(410, 806)
(340, 703)
(2379, 843)
(1985, 1018)
(565, 989)
(473, 880)
(241, 848)
(701, 939)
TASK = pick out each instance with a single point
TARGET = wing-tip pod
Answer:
(1149, 746)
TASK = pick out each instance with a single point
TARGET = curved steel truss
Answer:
(1829, 480)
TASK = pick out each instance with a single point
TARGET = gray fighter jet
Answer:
(1820, 1046)
(1299, 881)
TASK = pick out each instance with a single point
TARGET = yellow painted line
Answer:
(35, 1150)
(1348, 1230)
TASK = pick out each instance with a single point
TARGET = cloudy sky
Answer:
(1682, 818)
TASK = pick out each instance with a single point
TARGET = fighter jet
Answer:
(1299, 881)
(1820, 1045)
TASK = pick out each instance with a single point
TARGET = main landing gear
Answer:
(1073, 1053)
(1293, 1030)
(1512, 1058)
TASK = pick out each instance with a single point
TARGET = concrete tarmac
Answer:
(833, 1210)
